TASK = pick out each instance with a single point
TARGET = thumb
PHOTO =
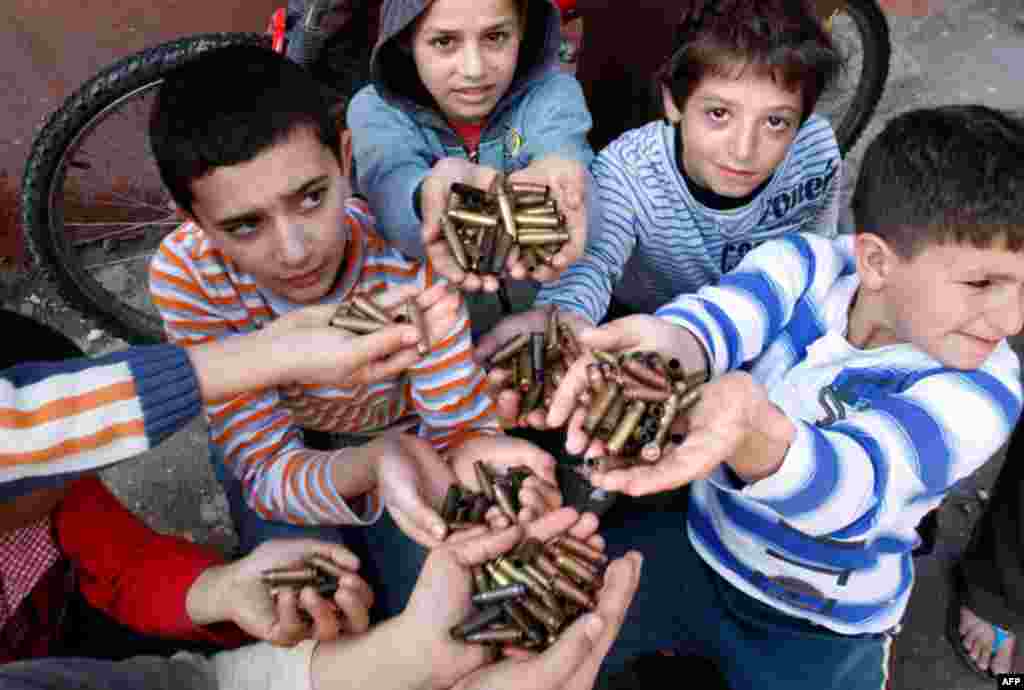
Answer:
(382, 343)
(555, 667)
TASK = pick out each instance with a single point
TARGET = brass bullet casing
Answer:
(500, 594)
(608, 463)
(642, 373)
(549, 619)
(536, 221)
(356, 325)
(469, 194)
(570, 591)
(476, 622)
(502, 248)
(645, 393)
(418, 320)
(505, 501)
(527, 550)
(480, 581)
(531, 201)
(373, 310)
(651, 452)
(525, 369)
(498, 576)
(581, 549)
(569, 341)
(498, 187)
(545, 564)
(295, 577)
(484, 479)
(482, 220)
(625, 428)
(611, 418)
(455, 245)
(601, 405)
(545, 208)
(595, 378)
(491, 636)
(537, 358)
(532, 398)
(522, 188)
(537, 574)
(511, 348)
(606, 358)
(572, 566)
(488, 243)
(521, 617)
(551, 329)
(450, 507)
(546, 252)
(537, 588)
(326, 565)
(688, 401)
(544, 237)
(460, 525)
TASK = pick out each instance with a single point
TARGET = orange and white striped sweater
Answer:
(203, 296)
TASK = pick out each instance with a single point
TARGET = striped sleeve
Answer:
(257, 437)
(448, 389)
(913, 445)
(586, 286)
(767, 292)
(63, 419)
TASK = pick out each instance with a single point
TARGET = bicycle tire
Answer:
(877, 54)
(45, 169)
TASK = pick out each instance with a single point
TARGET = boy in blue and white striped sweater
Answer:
(739, 159)
(854, 382)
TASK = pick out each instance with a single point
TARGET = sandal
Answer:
(956, 602)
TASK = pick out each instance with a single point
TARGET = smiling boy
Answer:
(246, 146)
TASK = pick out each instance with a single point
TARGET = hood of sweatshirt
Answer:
(393, 72)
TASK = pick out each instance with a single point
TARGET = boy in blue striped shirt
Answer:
(739, 159)
(854, 382)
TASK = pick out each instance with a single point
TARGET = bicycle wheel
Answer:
(93, 207)
(861, 34)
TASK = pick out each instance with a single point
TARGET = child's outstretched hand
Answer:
(539, 493)
(434, 194)
(567, 181)
(734, 423)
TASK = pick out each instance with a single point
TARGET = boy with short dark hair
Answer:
(879, 376)
(244, 142)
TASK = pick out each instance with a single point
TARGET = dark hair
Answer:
(783, 38)
(948, 174)
(228, 106)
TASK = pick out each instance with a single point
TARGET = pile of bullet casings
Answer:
(538, 361)
(482, 227)
(529, 595)
(632, 399)
(318, 572)
(361, 315)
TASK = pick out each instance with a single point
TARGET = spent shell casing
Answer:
(545, 564)
(500, 594)
(531, 201)
(326, 565)
(668, 416)
(478, 621)
(537, 574)
(595, 378)
(569, 342)
(645, 393)
(295, 577)
(488, 243)
(536, 221)
(643, 374)
(606, 358)
(504, 500)
(460, 525)
(547, 208)
(481, 583)
(608, 463)
(532, 399)
(536, 587)
(416, 317)
(544, 237)
(450, 507)
(470, 194)
(510, 349)
(546, 252)
(455, 245)
(582, 549)
(491, 636)
(612, 417)
(626, 427)
(522, 618)
(505, 206)
(537, 358)
(551, 329)
(482, 220)
(365, 304)
(570, 591)
(525, 369)
(500, 578)
(688, 401)
(327, 587)
(527, 550)
(529, 188)
(484, 479)
(602, 403)
(356, 325)
(548, 618)
(502, 248)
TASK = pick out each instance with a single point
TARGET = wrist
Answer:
(204, 599)
(767, 444)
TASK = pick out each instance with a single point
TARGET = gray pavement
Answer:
(966, 52)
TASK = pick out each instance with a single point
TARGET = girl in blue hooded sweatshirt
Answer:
(460, 91)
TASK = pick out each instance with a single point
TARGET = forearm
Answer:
(358, 662)
(234, 365)
(765, 447)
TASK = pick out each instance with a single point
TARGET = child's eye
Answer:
(778, 123)
(978, 284)
(243, 229)
(498, 37)
(717, 114)
(313, 198)
(442, 42)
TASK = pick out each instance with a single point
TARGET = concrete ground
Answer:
(962, 53)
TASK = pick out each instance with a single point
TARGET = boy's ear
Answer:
(876, 260)
(672, 111)
(345, 144)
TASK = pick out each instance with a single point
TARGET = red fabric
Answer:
(470, 133)
(131, 573)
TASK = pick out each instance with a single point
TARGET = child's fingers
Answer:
(537, 490)
(389, 367)
(354, 609)
(325, 615)
(537, 419)
(508, 408)
(586, 529)
(566, 397)
(486, 547)
(552, 523)
(289, 626)
(576, 439)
